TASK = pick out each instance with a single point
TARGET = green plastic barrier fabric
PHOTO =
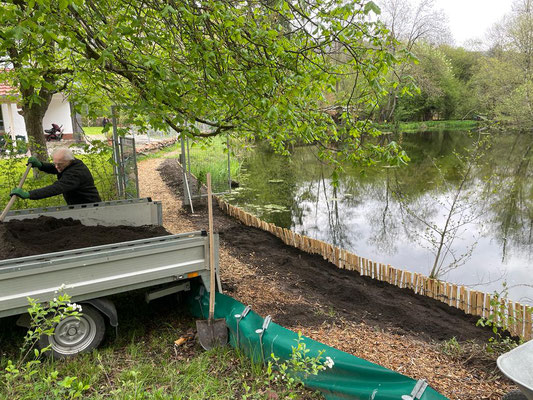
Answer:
(350, 377)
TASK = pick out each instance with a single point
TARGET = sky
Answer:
(470, 19)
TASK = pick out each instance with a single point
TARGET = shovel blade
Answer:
(212, 333)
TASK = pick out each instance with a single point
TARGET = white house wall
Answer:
(13, 121)
(58, 113)
(3, 110)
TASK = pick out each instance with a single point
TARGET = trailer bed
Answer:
(94, 272)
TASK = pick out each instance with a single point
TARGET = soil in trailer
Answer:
(21, 238)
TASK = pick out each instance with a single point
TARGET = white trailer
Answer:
(162, 265)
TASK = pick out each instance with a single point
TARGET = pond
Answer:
(458, 209)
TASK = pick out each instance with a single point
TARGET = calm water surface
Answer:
(397, 215)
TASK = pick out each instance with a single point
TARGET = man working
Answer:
(74, 180)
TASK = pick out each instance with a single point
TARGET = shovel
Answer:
(213, 332)
(13, 198)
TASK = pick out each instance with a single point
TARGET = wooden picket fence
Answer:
(513, 315)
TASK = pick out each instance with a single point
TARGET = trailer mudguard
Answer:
(106, 307)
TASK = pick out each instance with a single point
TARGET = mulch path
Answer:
(384, 324)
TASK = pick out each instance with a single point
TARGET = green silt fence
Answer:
(350, 377)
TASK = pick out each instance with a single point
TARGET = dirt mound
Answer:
(317, 291)
(20, 238)
(347, 294)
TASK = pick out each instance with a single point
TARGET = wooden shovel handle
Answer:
(13, 198)
(211, 250)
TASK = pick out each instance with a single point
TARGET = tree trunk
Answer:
(33, 114)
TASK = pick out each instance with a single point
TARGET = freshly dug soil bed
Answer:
(21, 238)
(330, 292)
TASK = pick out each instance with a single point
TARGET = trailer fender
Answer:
(106, 307)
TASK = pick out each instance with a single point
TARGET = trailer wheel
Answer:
(75, 335)
(514, 395)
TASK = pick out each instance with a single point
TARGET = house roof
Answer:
(7, 90)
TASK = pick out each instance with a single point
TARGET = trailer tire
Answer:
(75, 335)
(514, 395)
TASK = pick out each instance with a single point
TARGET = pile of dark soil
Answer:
(348, 295)
(21, 238)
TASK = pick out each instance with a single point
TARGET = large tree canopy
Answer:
(31, 53)
(260, 69)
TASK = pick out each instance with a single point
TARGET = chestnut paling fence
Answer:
(513, 316)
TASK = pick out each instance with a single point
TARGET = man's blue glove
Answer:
(34, 162)
(20, 193)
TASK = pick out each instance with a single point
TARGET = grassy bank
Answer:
(205, 156)
(142, 362)
(93, 130)
(212, 156)
(429, 126)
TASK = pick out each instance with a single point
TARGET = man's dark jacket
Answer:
(75, 183)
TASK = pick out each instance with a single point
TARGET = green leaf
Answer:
(372, 7)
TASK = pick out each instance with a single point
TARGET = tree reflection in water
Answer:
(367, 212)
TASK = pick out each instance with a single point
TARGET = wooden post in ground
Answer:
(510, 317)
(528, 324)
(479, 301)
(486, 308)
(407, 280)
(418, 279)
(473, 302)
(462, 295)
(449, 293)
(519, 320)
(455, 298)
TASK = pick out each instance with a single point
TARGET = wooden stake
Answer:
(510, 317)
(453, 295)
(479, 302)
(408, 278)
(519, 319)
(528, 324)
(416, 280)
(486, 307)
(472, 302)
(462, 296)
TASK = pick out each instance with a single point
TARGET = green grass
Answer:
(162, 153)
(409, 127)
(93, 130)
(206, 156)
(143, 363)
(212, 157)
